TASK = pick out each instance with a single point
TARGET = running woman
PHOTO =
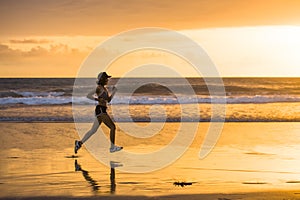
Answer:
(102, 96)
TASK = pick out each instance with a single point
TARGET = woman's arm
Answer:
(91, 94)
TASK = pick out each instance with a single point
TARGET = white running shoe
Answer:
(115, 149)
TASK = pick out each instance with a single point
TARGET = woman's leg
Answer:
(111, 125)
(93, 130)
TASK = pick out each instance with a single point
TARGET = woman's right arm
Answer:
(90, 95)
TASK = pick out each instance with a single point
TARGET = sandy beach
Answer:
(250, 161)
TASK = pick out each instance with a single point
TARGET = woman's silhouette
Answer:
(101, 95)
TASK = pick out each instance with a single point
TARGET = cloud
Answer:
(23, 47)
(37, 51)
(3, 48)
(30, 41)
(6, 53)
(55, 61)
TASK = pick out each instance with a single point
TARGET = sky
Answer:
(53, 38)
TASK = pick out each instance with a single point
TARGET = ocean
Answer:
(152, 99)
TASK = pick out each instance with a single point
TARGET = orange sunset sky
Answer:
(51, 38)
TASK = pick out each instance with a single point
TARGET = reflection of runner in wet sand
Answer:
(112, 181)
(94, 183)
(113, 165)
(87, 177)
(102, 96)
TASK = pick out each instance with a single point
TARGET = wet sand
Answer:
(250, 161)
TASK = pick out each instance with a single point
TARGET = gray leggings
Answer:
(107, 121)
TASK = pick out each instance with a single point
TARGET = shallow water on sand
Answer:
(37, 160)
